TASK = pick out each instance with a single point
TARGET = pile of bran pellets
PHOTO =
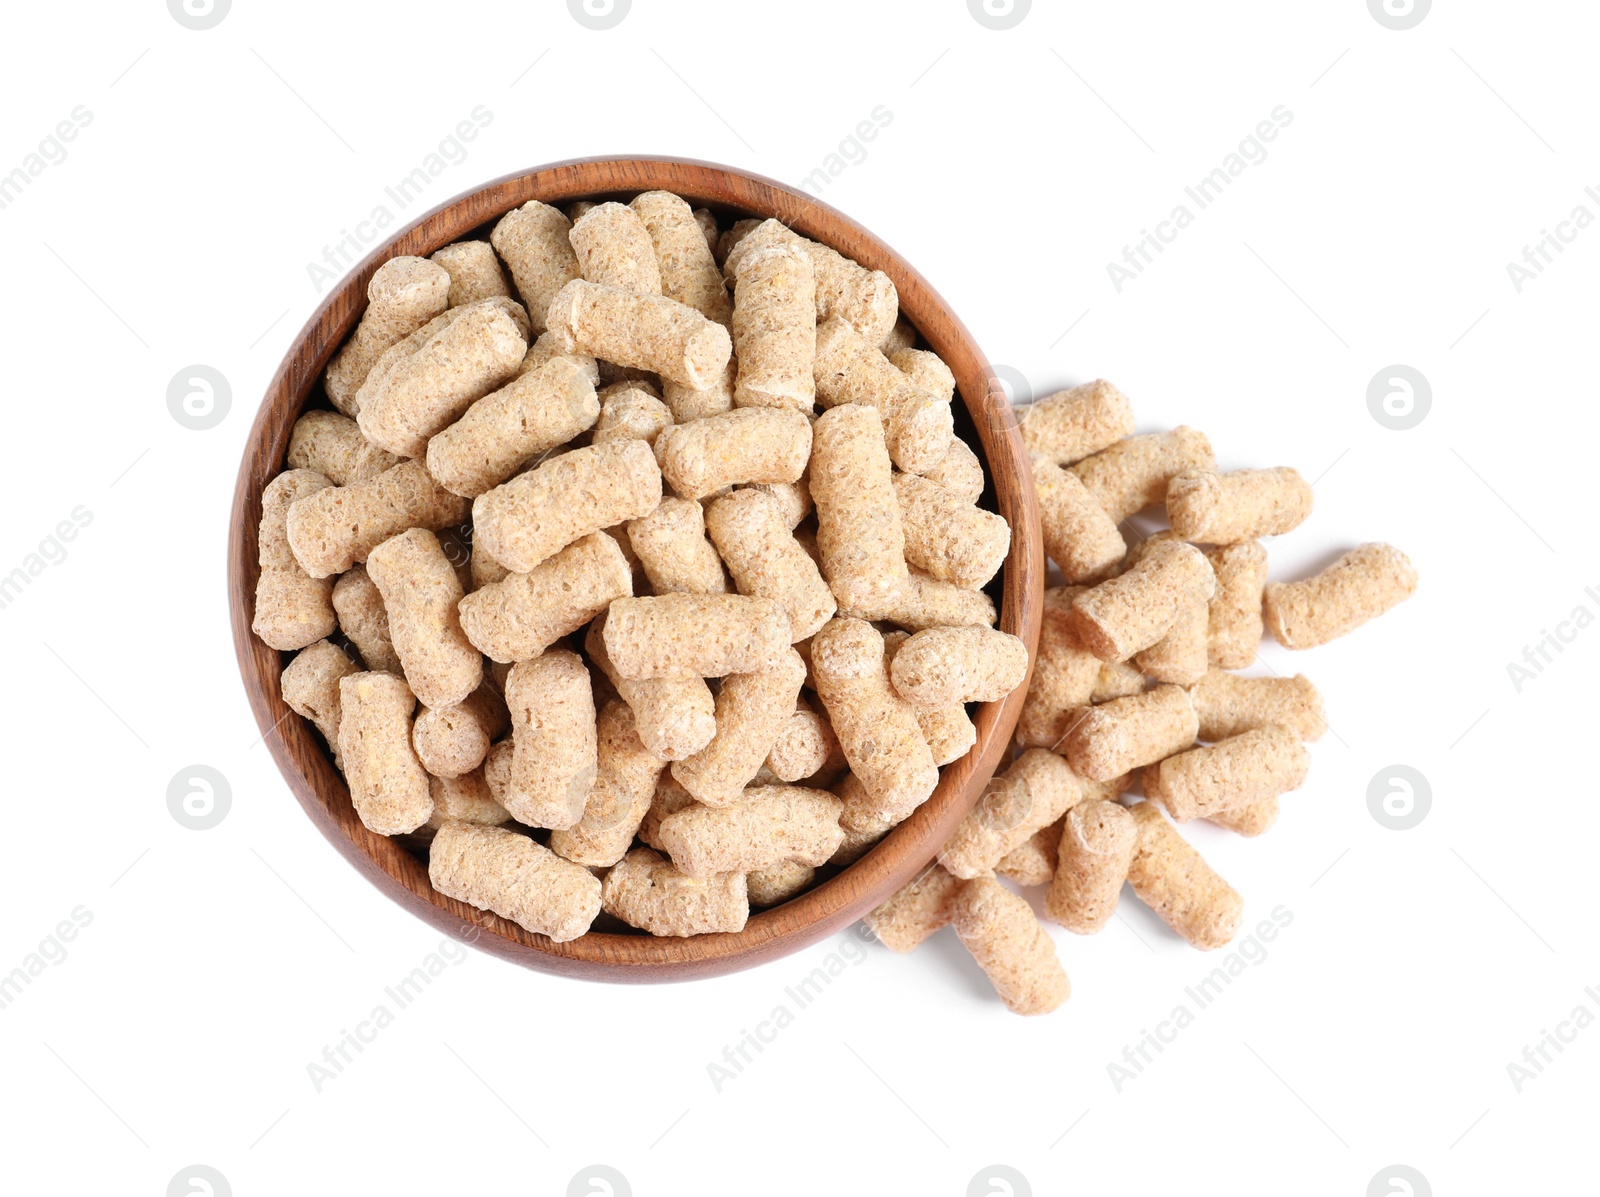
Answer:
(594, 605)
(1133, 689)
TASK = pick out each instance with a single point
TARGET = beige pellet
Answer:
(1228, 704)
(1123, 734)
(624, 784)
(805, 747)
(1098, 840)
(645, 332)
(1252, 819)
(474, 272)
(750, 531)
(749, 444)
(1078, 534)
(683, 254)
(476, 353)
(959, 472)
(1133, 473)
(647, 892)
(859, 531)
(946, 728)
(1016, 953)
(861, 820)
(614, 249)
(553, 737)
(504, 871)
(752, 710)
(1118, 679)
(915, 911)
(1234, 623)
(403, 295)
(951, 539)
(310, 687)
(925, 602)
(293, 607)
(534, 241)
(497, 768)
(699, 635)
(1033, 862)
(708, 227)
(1064, 675)
(483, 568)
(332, 445)
(850, 369)
(766, 825)
(672, 546)
(532, 414)
(420, 592)
(941, 666)
(1238, 771)
(674, 716)
(1076, 423)
(1034, 792)
(793, 499)
(522, 615)
(900, 336)
(731, 236)
(335, 528)
(1170, 877)
(775, 329)
(778, 883)
(452, 741)
(1361, 585)
(364, 621)
(547, 346)
(388, 785)
(877, 729)
(1124, 614)
(865, 298)
(696, 403)
(1181, 655)
(628, 411)
(533, 516)
(1240, 505)
(927, 370)
(669, 799)
(465, 799)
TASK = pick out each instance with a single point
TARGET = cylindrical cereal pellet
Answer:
(553, 738)
(877, 729)
(1252, 819)
(420, 592)
(548, 346)
(1234, 623)
(925, 602)
(1132, 474)
(901, 336)
(859, 532)
(1360, 586)
(696, 403)
(364, 621)
(1241, 505)
(793, 499)
(474, 272)
(465, 799)
(1180, 656)
(700, 635)
(1228, 704)
(941, 666)
(775, 329)
(1118, 679)
(689, 273)
(805, 747)
(646, 332)
(1033, 862)
(1110, 739)
(624, 784)
(946, 728)
(916, 911)
(999, 928)
(852, 370)
(335, 528)
(1064, 675)
(332, 445)
(672, 546)
(532, 517)
(751, 711)
(731, 236)
(959, 471)
(522, 615)
(452, 741)
(1170, 877)
(1078, 534)
(669, 799)
(749, 444)
(674, 716)
(954, 541)
(1098, 840)
(293, 607)
(631, 411)
(766, 825)
(1124, 614)
(388, 785)
(310, 687)
(504, 871)
(647, 892)
(778, 883)
(1036, 791)
(497, 768)
(708, 227)
(927, 370)
(1073, 424)
(535, 242)
(750, 532)
(861, 820)
(866, 299)
(614, 249)
(1235, 772)
(403, 295)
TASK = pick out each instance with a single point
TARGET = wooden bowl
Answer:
(831, 905)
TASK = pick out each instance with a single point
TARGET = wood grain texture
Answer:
(983, 412)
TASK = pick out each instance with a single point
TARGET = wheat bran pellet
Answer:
(1095, 850)
(402, 296)
(1227, 704)
(535, 242)
(1181, 655)
(952, 540)
(700, 635)
(646, 891)
(959, 472)
(1250, 820)
(615, 250)
(806, 747)
(464, 799)
(926, 369)
(915, 911)
(1240, 505)
(682, 240)
(944, 666)
(925, 602)
(1110, 739)
(999, 928)
(1034, 792)
(553, 736)
(420, 592)
(1064, 675)
(504, 871)
(1360, 586)
(778, 883)
(388, 785)
(643, 332)
(696, 403)
(752, 710)
(1132, 474)
(775, 329)
(866, 299)
(1079, 422)
(672, 547)
(793, 499)
(674, 716)
(332, 445)
(523, 614)
(1234, 623)
(630, 411)
(335, 528)
(624, 785)
(1033, 862)
(1265, 762)
(364, 621)
(293, 607)
(946, 728)
(452, 741)
(748, 444)
(1078, 534)
(859, 531)
(474, 271)
(860, 819)
(850, 369)
(669, 799)
(767, 824)
(1118, 679)
(310, 688)
(1171, 878)
(1132, 611)
(750, 530)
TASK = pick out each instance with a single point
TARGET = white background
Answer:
(1017, 164)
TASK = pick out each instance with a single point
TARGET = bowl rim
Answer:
(306, 765)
